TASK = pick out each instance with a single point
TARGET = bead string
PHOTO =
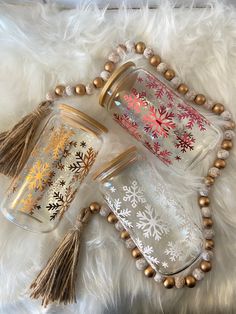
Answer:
(205, 264)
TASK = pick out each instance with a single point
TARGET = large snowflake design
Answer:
(163, 155)
(174, 251)
(126, 122)
(134, 102)
(159, 121)
(159, 88)
(192, 116)
(147, 251)
(122, 213)
(152, 224)
(38, 176)
(134, 194)
(184, 140)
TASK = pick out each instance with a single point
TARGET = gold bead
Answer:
(140, 47)
(98, 82)
(209, 181)
(209, 244)
(136, 253)
(207, 222)
(94, 207)
(220, 163)
(227, 144)
(124, 235)
(218, 108)
(111, 218)
(182, 89)
(155, 60)
(149, 272)
(230, 125)
(59, 90)
(205, 266)
(203, 201)
(80, 89)
(200, 99)
(190, 281)
(169, 74)
(169, 282)
(109, 66)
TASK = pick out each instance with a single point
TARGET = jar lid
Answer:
(116, 164)
(112, 78)
(79, 115)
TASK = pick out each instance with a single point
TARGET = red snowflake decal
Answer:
(159, 88)
(134, 102)
(193, 116)
(139, 79)
(185, 141)
(159, 121)
(128, 124)
(163, 155)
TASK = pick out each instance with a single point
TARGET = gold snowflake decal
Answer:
(58, 141)
(28, 204)
(38, 176)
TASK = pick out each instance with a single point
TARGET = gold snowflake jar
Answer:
(152, 112)
(64, 152)
(168, 239)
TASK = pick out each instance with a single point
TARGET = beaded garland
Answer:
(228, 126)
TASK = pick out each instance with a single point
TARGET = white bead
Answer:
(50, 96)
(89, 89)
(206, 212)
(204, 191)
(214, 172)
(208, 233)
(176, 81)
(208, 104)
(121, 51)
(223, 154)
(119, 226)
(207, 255)
(179, 282)
(69, 90)
(141, 264)
(190, 95)
(162, 67)
(148, 52)
(130, 45)
(198, 274)
(158, 277)
(130, 244)
(229, 135)
(105, 75)
(226, 115)
(114, 57)
(104, 211)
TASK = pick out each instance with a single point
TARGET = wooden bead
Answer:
(111, 218)
(155, 60)
(169, 74)
(190, 281)
(230, 125)
(169, 282)
(200, 99)
(227, 144)
(109, 66)
(140, 47)
(136, 253)
(98, 82)
(94, 207)
(203, 201)
(59, 90)
(124, 235)
(149, 272)
(220, 163)
(207, 222)
(209, 181)
(183, 89)
(205, 266)
(209, 244)
(80, 89)
(218, 108)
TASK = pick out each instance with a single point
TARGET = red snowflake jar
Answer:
(61, 158)
(152, 112)
(157, 223)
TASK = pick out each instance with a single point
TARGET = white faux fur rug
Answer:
(41, 47)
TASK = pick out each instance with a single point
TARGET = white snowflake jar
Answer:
(152, 112)
(61, 158)
(157, 223)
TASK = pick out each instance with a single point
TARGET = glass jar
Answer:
(64, 151)
(153, 113)
(157, 223)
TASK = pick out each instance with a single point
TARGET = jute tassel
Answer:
(56, 282)
(15, 144)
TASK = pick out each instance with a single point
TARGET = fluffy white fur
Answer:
(42, 46)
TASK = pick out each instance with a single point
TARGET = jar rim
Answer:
(112, 78)
(118, 162)
(83, 116)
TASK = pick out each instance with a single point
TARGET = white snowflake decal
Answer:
(113, 189)
(121, 213)
(134, 194)
(165, 264)
(151, 223)
(174, 251)
(147, 251)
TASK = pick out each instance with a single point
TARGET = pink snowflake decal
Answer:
(193, 117)
(134, 102)
(128, 124)
(163, 155)
(160, 89)
(158, 121)
(185, 141)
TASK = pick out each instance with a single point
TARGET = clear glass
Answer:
(60, 160)
(153, 113)
(158, 224)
